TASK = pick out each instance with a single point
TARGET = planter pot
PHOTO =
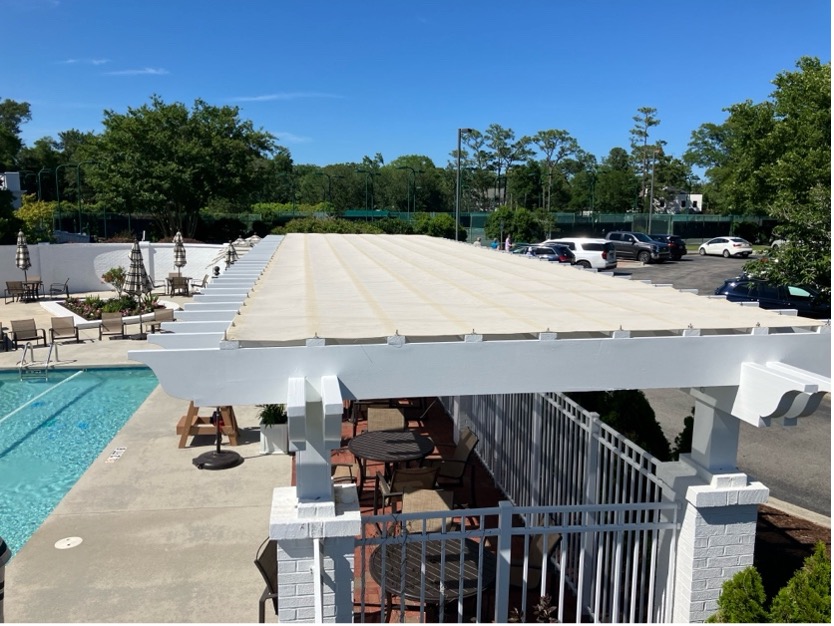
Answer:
(274, 439)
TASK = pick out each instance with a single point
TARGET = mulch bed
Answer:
(783, 542)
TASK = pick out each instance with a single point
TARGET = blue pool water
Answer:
(50, 433)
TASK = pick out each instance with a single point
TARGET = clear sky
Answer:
(339, 80)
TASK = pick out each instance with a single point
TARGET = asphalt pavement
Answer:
(794, 463)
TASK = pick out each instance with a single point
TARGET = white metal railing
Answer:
(605, 566)
(546, 449)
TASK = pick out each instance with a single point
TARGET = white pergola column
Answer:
(315, 523)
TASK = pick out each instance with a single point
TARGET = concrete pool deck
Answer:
(162, 540)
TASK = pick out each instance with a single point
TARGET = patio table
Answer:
(421, 577)
(389, 447)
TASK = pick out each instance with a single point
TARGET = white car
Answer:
(598, 254)
(727, 247)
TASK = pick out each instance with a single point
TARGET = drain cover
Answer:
(68, 542)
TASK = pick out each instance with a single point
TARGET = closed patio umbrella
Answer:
(137, 282)
(179, 253)
(21, 259)
(231, 254)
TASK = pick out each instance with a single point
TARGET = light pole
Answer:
(78, 188)
(40, 172)
(368, 174)
(329, 180)
(651, 192)
(457, 185)
(410, 182)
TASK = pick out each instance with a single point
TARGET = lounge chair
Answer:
(59, 289)
(14, 291)
(196, 284)
(385, 419)
(179, 285)
(267, 563)
(386, 493)
(63, 328)
(452, 467)
(25, 330)
(159, 316)
(427, 501)
(111, 324)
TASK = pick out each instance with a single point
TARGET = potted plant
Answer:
(273, 420)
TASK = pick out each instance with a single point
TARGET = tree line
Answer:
(179, 165)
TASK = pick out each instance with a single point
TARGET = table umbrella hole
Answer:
(68, 542)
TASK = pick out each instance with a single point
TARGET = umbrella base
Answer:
(214, 460)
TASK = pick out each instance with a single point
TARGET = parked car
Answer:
(634, 245)
(598, 254)
(555, 253)
(727, 247)
(807, 301)
(677, 246)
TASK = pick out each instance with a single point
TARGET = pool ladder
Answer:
(33, 368)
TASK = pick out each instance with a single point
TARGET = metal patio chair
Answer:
(25, 330)
(63, 328)
(266, 561)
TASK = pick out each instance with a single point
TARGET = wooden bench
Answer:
(192, 423)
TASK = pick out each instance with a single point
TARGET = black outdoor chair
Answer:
(267, 563)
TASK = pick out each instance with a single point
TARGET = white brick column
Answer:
(311, 591)
(719, 506)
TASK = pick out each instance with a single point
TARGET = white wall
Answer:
(84, 263)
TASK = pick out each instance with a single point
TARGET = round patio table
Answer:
(418, 575)
(389, 447)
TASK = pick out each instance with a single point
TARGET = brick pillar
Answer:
(717, 535)
(297, 526)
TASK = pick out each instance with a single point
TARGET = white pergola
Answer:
(310, 320)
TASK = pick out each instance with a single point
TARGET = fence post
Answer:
(502, 569)
(592, 470)
(536, 461)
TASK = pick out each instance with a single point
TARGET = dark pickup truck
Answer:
(639, 246)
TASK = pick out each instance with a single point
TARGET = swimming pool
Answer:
(50, 433)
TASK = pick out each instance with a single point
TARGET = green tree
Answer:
(768, 157)
(555, 145)
(807, 596)
(440, 225)
(36, 218)
(742, 599)
(617, 185)
(641, 151)
(12, 115)
(169, 162)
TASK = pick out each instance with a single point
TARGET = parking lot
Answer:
(795, 463)
(703, 273)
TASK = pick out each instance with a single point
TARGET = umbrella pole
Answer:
(217, 459)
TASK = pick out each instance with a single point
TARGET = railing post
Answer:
(502, 570)
(537, 429)
(592, 469)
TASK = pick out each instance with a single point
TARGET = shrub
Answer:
(629, 413)
(683, 442)
(742, 599)
(115, 277)
(807, 596)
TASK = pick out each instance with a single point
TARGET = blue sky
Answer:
(336, 81)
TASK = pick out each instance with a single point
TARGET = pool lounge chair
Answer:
(63, 328)
(24, 331)
(14, 291)
(159, 316)
(111, 324)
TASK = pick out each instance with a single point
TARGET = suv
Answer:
(597, 254)
(677, 246)
(556, 253)
(633, 245)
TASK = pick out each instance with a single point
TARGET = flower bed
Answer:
(91, 307)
